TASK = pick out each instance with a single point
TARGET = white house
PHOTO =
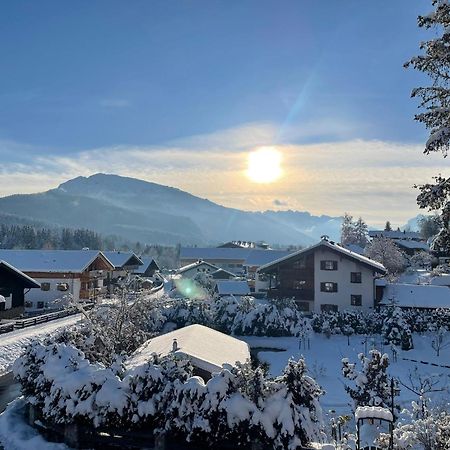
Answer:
(325, 276)
(207, 349)
(80, 273)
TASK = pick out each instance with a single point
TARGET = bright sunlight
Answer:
(264, 165)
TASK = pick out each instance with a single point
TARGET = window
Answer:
(328, 265)
(28, 304)
(299, 284)
(62, 287)
(40, 305)
(329, 308)
(45, 286)
(355, 277)
(356, 300)
(328, 287)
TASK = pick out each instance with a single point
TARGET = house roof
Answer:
(197, 264)
(413, 245)
(208, 253)
(259, 257)
(75, 261)
(331, 246)
(146, 262)
(208, 349)
(416, 295)
(232, 287)
(227, 272)
(27, 281)
(395, 234)
(121, 259)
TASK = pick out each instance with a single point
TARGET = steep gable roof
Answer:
(121, 259)
(27, 281)
(197, 264)
(330, 245)
(75, 261)
(146, 263)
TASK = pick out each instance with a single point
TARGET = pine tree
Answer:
(361, 232)
(435, 100)
(388, 226)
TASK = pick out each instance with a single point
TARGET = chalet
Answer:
(228, 258)
(325, 276)
(148, 268)
(207, 349)
(192, 270)
(123, 262)
(80, 273)
(13, 283)
(237, 259)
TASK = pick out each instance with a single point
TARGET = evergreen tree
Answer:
(388, 227)
(361, 232)
(371, 385)
(435, 101)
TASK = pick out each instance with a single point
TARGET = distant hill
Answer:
(151, 213)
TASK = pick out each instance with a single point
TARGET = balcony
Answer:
(298, 294)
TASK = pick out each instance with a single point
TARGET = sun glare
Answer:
(264, 165)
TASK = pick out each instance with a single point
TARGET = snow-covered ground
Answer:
(11, 344)
(324, 356)
(16, 434)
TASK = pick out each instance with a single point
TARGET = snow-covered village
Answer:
(225, 225)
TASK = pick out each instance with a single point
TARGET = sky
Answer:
(181, 92)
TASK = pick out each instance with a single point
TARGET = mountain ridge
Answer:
(153, 213)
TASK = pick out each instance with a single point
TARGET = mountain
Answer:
(151, 213)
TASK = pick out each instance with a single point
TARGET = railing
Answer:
(25, 323)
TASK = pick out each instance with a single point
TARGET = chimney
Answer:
(174, 345)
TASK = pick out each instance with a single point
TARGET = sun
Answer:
(264, 165)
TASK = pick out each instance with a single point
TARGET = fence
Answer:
(32, 321)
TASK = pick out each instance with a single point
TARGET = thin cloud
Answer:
(373, 179)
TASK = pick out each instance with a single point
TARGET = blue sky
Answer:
(152, 75)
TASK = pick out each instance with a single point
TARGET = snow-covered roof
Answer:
(207, 349)
(355, 248)
(232, 287)
(213, 253)
(121, 259)
(334, 247)
(227, 272)
(197, 264)
(413, 245)
(28, 281)
(416, 296)
(395, 234)
(443, 280)
(51, 260)
(146, 262)
(259, 257)
(373, 412)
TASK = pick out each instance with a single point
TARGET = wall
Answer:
(37, 295)
(341, 298)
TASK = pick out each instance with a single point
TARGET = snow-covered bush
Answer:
(370, 383)
(396, 329)
(238, 404)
